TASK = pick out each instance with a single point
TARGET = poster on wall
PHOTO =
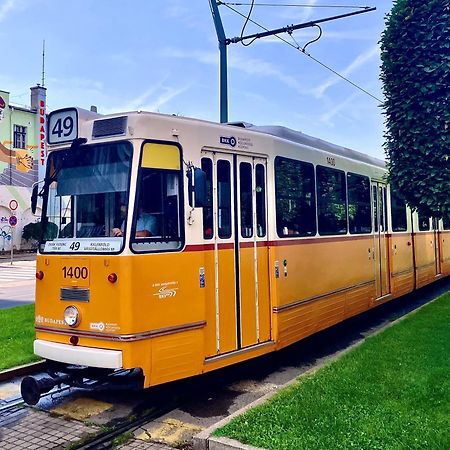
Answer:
(18, 167)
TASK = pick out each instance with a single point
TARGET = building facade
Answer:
(22, 163)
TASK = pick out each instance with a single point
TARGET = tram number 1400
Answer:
(75, 272)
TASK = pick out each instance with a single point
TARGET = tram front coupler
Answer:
(32, 388)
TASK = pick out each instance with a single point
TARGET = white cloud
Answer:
(168, 93)
(6, 7)
(250, 66)
(300, 14)
(329, 114)
(359, 61)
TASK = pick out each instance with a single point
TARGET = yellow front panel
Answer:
(161, 156)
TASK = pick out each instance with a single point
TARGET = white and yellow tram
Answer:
(176, 246)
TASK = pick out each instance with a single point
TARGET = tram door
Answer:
(380, 255)
(436, 245)
(235, 224)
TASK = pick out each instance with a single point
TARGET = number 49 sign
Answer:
(62, 126)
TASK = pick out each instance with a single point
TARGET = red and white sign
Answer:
(42, 149)
(13, 205)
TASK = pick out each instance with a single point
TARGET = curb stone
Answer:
(205, 441)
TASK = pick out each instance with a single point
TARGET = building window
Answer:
(20, 136)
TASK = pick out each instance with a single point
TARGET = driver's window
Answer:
(157, 222)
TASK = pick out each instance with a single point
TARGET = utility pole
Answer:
(223, 61)
(223, 42)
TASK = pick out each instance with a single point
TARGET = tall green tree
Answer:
(415, 53)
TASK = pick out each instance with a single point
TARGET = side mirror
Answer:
(34, 197)
(197, 187)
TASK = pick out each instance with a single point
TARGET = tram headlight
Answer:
(71, 316)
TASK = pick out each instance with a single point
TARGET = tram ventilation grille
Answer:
(81, 295)
(109, 127)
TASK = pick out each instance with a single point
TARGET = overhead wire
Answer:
(300, 49)
(294, 5)
(245, 24)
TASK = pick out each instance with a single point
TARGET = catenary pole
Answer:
(223, 61)
(223, 42)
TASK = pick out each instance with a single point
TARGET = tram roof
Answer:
(302, 138)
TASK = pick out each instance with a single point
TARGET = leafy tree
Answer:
(416, 75)
(32, 231)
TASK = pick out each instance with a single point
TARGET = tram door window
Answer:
(224, 199)
(246, 200)
(260, 200)
(208, 224)
(380, 246)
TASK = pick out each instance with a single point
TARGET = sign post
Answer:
(12, 223)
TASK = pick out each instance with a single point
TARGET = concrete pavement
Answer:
(17, 283)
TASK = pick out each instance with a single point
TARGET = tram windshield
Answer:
(86, 199)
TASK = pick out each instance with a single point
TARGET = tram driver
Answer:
(146, 224)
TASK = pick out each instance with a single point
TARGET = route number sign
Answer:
(62, 126)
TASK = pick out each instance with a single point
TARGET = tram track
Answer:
(216, 395)
(20, 371)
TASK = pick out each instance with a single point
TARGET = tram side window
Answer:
(224, 198)
(359, 212)
(157, 224)
(260, 201)
(246, 201)
(208, 217)
(295, 198)
(331, 201)
(398, 210)
(446, 221)
(424, 223)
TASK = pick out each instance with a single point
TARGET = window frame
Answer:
(313, 192)
(332, 169)
(18, 135)
(181, 190)
(358, 175)
(46, 199)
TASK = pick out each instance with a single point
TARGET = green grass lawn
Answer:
(392, 392)
(16, 336)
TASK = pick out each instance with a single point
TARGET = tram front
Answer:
(91, 313)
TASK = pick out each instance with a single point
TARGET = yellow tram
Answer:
(174, 246)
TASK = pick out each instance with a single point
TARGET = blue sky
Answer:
(162, 55)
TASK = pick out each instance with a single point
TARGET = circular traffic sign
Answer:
(12, 221)
(13, 205)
